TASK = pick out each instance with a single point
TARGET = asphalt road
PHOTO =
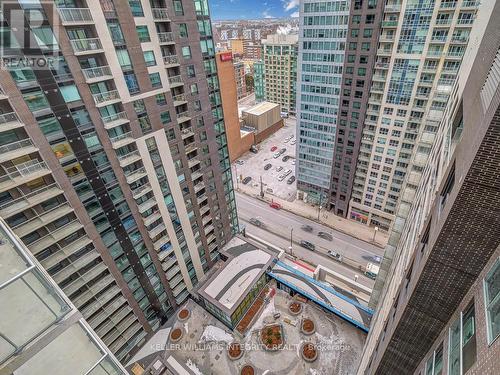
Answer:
(279, 223)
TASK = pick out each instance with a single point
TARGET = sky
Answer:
(253, 9)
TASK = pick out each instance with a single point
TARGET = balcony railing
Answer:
(114, 118)
(86, 45)
(23, 169)
(6, 118)
(97, 72)
(170, 59)
(75, 15)
(175, 79)
(104, 97)
(121, 137)
(179, 98)
(160, 14)
(16, 146)
(166, 37)
(183, 115)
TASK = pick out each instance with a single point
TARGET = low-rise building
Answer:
(264, 117)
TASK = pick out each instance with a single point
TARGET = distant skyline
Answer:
(251, 9)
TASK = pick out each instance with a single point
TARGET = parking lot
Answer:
(252, 165)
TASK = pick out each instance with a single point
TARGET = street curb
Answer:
(313, 219)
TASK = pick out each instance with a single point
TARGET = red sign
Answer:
(226, 56)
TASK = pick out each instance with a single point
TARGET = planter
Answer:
(309, 352)
(295, 308)
(307, 327)
(271, 336)
(183, 315)
(234, 351)
(247, 370)
(176, 334)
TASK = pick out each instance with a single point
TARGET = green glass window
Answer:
(143, 33)
(492, 301)
(50, 126)
(155, 80)
(186, 52)
(70, 93)
(36, 100)
(183, 30)
(136, 8)
(149, 57)
(124, 58)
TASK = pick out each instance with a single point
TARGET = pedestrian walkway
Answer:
(347, 226)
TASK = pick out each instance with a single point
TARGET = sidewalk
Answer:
(301, 208)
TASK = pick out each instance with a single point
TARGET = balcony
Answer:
(75, 16)
(175, 81)
(160, 242)
(55, 236)
(204, 209)
(166, 37)
(170, 61)
(179, 99)
(28, 200)
(202, 198)
(114, 120)
(136, 175)
(186, 133)
(141, 190)
(160, 14)
(170, 274)
(86, 46)
(106, 98)
(122, 140)
(151, 202)
(22, 173)
(196, 175)
(169, 263)
(190, 148)
(193, 162)
(392, 8)
(65, 252)
(390, 24)
(97, 74)
(183, 116)
(9, 121)
(129, 158)
(199, 186)
(178, 289)
(384, 52)
(156, 230)
(16, 149)
(41, 220)
(80, 263)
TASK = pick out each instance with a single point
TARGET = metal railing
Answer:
(8, 117)
(183, 114)
(28, 196)
(170, 59)
(121, 137)
(75, 15)
(16, 145)
(114, 117)
(84, 45)
(166, 37)
(179, 98)
(103, 97)
(97, 72)
(175, 79)
(160, 14)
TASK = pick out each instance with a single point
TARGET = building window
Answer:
(434, 365)
(462, 343)
(36, 100)
(70, 93)
(155, 80)
(183, 30)
(136, 8)
(492, 301)
(179, 11)
(186, 52)
(149, 57)
(143, 34)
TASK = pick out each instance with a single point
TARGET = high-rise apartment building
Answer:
(421, 45)
(438, 311)
(115, 171)
(359, 60)
(322, 40)
(239, 73)
(279, 57)
(258, 81)
(41, 330)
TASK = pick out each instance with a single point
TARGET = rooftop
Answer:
(229, 285)
(281, 39)
(260, 108)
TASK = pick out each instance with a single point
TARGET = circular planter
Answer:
(271, 337)
(234, 351)
(307, 327)
(247, 370)
(183, 315)
(176, 334)
(309, 352)
(295, 308)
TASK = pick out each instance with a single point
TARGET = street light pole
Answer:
(319, 208)
(291, 241)
(261, 188)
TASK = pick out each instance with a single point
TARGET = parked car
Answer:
(287, 172)
(276, 155)
(377, 259)
(293, 162)
(267, 166)
(293, 142)
(282, 151)
(275, 205)
(291, 180)
(274, 148)
(246, 180)
(326, 236)
(281, 177)
(334, 255)
(285, 158)
(306, 228)
(308, 245)
(257, 222)
(240, 162)
(279, 169)
(286, 140)
(284, 114)
(254, 149)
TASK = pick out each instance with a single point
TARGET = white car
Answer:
(293, 142)
(286, 140)
(279, 169)
(293, 162)
(276, 155)
(281, 177)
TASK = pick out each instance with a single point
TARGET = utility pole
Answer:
(261, 188)
(291, 241)
(319, 208)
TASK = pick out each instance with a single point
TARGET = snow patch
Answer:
(192, 366)
(186, 328)
(213, 333)
(268, 311)
(313, 371)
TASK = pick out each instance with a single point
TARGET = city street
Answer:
(277, 228)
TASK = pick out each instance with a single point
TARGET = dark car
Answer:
(326, 236)
(290, 180)
(246, 180)
(285, 158)
(306, 228)
(283, 150)
(267, 166)
(308, 245)
(256, 222)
